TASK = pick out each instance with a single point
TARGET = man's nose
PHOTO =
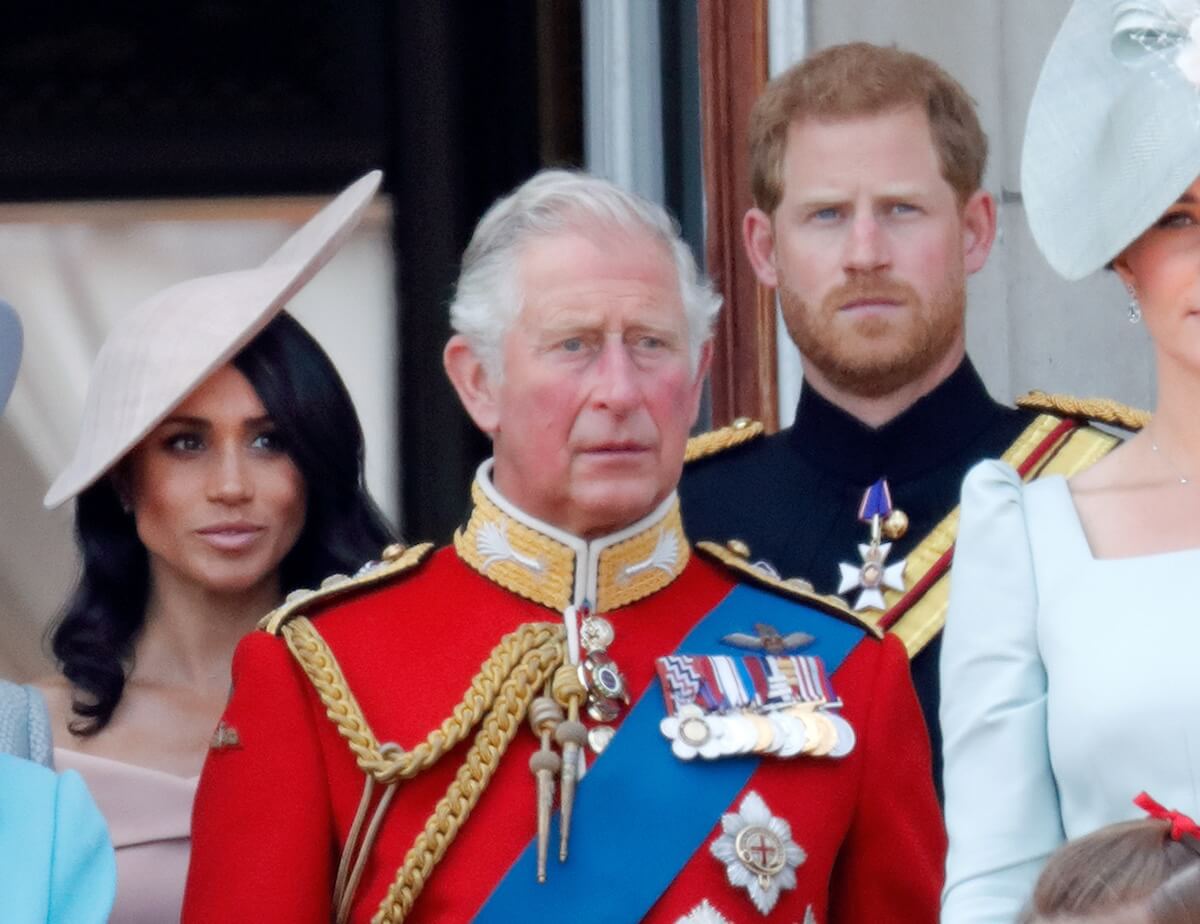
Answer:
(615, 386)
(867, 247)
(230, 480)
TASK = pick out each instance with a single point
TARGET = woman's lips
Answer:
(230, 538)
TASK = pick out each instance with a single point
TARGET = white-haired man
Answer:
(375, 760)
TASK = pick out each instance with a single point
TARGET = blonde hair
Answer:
(1131, 866)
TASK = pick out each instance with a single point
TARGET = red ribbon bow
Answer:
(1181, 824)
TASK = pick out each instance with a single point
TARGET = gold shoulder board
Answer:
(395, 560)
(1095, 410)
(708, 444)
(1050, 445)
(736, 557)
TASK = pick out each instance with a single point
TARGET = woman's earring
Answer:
(1135, 309)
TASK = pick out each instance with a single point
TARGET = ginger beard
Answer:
(880, 351)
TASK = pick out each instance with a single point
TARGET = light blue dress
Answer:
(56, 861)
(1069, 685)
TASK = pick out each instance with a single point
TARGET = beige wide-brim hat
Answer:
(163, 349)
(1113, 136)
(10, 351)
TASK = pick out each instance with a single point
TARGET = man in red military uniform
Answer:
(570, 710)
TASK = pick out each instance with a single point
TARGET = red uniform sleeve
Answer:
(892, 863)
(262, 834)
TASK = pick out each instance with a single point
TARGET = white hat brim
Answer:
(1111, 141)
(168, 345)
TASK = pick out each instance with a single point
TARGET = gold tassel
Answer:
(545, 715)
(569, 692)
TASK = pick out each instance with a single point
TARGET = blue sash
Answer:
(640, 813)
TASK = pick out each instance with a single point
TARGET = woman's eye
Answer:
(1176, 220)
(269, 441)
(185, 442)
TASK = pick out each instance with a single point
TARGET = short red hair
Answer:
(860, 79)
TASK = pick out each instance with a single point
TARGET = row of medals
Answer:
(792, 731)
(607, 693)
(799, 729)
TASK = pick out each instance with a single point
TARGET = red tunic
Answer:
(273, 812)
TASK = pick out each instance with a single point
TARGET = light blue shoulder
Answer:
(990, 487)
(993, 487)
(992, 515)
(19, 773)
(59, 864)
(991, 476)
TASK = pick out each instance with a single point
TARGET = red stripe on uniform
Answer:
(942, 565)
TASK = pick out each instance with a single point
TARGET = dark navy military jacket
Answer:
(793, 497)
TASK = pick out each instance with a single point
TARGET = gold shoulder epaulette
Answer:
(1095, 410)
(703, 445)
(394, 561)
(735, 556)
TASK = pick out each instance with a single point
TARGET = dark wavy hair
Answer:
(315, 419)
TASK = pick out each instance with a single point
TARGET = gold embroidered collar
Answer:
(558, 570)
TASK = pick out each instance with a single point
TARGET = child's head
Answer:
(1135, 872)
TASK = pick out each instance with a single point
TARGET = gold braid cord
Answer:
(1100, 410)
(500, 726)
(707, 444)
(514, 673)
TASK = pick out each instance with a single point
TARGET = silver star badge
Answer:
(704, 913)
(872, 576)
(758, 852)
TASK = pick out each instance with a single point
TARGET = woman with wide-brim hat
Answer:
(57, 858)
(1069, 671)
(219, 466)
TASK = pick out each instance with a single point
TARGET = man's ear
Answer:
(476, 390)
(758, 236)
(978, 229)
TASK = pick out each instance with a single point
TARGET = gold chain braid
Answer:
(319, 663)
(524, 682)
(309, 649)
